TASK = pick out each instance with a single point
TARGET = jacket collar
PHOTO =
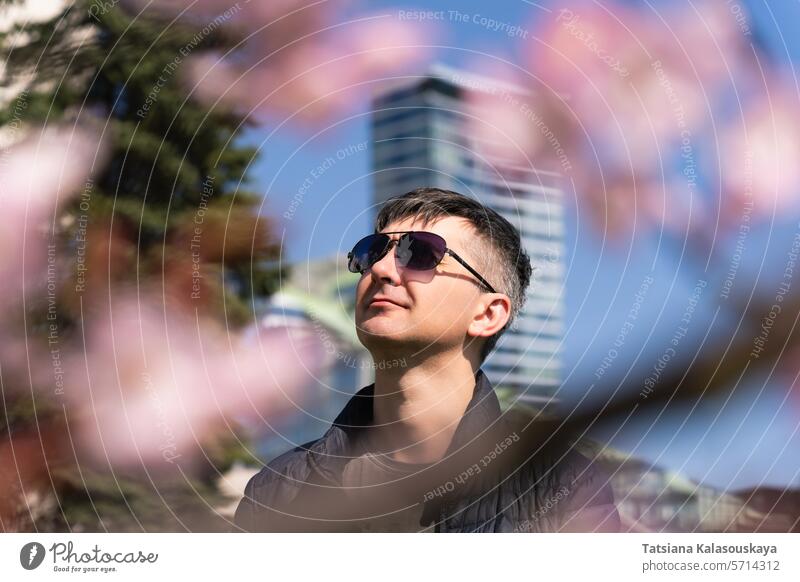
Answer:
(338, 445)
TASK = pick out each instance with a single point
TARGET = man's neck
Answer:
(416, 409)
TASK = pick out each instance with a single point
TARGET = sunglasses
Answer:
(416, 251)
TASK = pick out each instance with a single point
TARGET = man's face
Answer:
(425, 309)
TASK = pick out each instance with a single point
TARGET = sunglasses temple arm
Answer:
(471, 270)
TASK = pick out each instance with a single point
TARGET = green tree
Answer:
(173, 160)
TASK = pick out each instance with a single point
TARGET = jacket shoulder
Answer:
(274, 486)
(573, 490)
(584, 495)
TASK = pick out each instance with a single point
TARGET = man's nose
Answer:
(386, 268)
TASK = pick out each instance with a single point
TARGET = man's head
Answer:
(447, 307)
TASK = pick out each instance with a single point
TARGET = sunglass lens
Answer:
(423, 252)
(367, 252)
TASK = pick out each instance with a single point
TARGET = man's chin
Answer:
(372, 333)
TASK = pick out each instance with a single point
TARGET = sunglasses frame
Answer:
(447, 251)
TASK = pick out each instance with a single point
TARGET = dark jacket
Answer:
(495, 484)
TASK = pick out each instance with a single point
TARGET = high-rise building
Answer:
(422, 137)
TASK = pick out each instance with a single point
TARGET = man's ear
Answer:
(493, 312)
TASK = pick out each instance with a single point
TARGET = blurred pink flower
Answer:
(155, 384)
(298, 57)
(629, 72)
(43, 169)
(502, 116)
(643, 88)
(36, 174)
(760, 152)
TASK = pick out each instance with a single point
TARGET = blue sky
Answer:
(751, 439)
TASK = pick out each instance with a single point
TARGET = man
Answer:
(426, 447)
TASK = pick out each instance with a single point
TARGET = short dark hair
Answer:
(501, 258)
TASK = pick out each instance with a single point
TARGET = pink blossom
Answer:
(44, 169)
(643, 91)
(301, 58)
(502, 117)
(155, 383)
(760, 152)
(36, 174)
